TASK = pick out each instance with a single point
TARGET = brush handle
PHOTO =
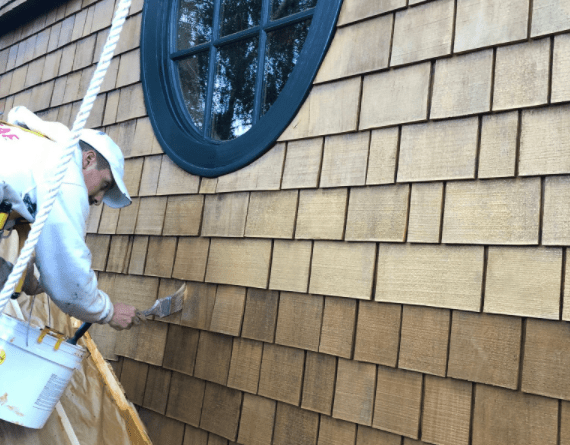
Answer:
(79, 333)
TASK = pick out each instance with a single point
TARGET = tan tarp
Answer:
(88, 403)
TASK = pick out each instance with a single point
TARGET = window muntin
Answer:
(181, 75)
(243, 40)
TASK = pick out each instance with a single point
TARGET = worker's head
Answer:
(103, 169)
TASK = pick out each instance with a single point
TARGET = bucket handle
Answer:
(79, 333)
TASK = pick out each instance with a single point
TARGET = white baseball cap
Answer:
(118, 196)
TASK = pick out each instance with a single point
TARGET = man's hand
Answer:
(125, 317)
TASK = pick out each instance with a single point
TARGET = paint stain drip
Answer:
(15, 411)
(4, 399)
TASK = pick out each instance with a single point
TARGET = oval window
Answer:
(223, 78)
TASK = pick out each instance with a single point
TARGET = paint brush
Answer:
(167, 305)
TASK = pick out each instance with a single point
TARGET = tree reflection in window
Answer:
(234, 58)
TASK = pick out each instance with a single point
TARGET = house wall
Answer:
(391, 272)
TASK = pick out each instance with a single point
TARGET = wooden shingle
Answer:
(446, 411)
(354, 393)
(503, 416)
(108, 222)
(245, 365)
(131, 103)
(262, 174)
(185, 399)
(119, 253)
(560, 69)
(281, 373)
(319, 383)
(150, 173)
(221, 411)
(349, 53)
(162, 430)
(321, 214)
(545, 369)
(129, 69)
(485, 23)
(260, 315)
(395, 97)
(191, 257)
(423, 33)
(345, 159)
(549, 16)
(382, 157)
(545, 141)
(290, 265)
(157, 388)
(160, 256)
(294, 426)
(151, 216)
(378, 333)
(462, 85)
(526, 64)
(299, 320)
(378, 213)
(485, 348)
(241, 262)
(144, 140)
(372, 436)
(181, 348)
(430, 275)
(424, 339)
(133, 172)
(138, 255)
(128, 218)
(336, 432)
(272, 214)
(303, 164)
(498, 145)
(524, 281)
(438, 150)
(257, 420)
(213, 357)
(342, 269)
(225, 214)
(174, 181)
(426, 205)
(198, 305)
(195, 436)
(502, 211)
(133, 379)
(228, 310)
(556, 213)
(353, 10)
(398, 401)
(145, 344)
(333, 107)
(99, 247)
(339, 320)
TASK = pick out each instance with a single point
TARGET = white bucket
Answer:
(33, 378)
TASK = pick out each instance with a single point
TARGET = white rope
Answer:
(78, 125)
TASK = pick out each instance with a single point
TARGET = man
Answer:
(94, 175)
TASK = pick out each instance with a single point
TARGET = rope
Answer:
(86, 106)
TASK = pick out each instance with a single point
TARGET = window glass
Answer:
(282, 51)
(234, 89)
(284, 8)
(195, 18)
(193, 74)
(238, 15)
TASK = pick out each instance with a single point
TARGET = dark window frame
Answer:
(178, 137)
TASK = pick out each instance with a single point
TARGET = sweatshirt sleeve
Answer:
(64, 260)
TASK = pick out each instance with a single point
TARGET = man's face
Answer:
(98, 182)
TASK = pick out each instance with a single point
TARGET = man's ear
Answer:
(89, 159)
